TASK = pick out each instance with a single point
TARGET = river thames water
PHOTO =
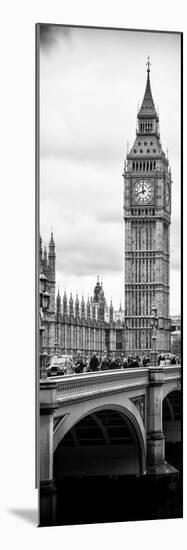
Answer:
(102, 499)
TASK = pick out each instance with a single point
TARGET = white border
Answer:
(17, 271)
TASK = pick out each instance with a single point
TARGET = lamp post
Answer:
(127, 332)
(154, 325)
(57, 348)
(126, 335)
(44, 305)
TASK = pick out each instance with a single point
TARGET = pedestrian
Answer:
(135, 363)
(162, 360)
(94, 363)
(104, 363)
(125, 363)
(70, 368)
(129, 362)
(79, 364)
(114, 363)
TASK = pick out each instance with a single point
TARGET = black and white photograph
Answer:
(109, 365)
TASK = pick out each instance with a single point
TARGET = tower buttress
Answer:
(45, 266)
(41, 252)
(111, 313)
(82, 308)
(88, 309)
(58, 303)
(101, 310)
(71, 305)
(93, 310)
(77, 307)
(65, 304)
(58, 321)
(52, 257)
(52, 272)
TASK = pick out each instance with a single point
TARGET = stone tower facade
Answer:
(147, 216)
(48, 268)
(73, 325)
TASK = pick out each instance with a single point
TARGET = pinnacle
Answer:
(147, 107)
(52, 243)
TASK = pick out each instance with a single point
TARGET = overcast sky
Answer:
(91, 81)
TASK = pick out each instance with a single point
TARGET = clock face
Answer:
(143, 191)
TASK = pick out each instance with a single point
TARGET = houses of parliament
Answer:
(71, 324)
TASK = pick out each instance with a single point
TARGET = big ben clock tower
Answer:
(147, 215)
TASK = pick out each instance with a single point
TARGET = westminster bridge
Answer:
(108, 423)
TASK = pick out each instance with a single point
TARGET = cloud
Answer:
(176, 244)
(110, 216)
(88, 261)
(51, 34)
(91, 81)
(81, 250)
(176, 264)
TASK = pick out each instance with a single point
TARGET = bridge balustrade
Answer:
(138, 393)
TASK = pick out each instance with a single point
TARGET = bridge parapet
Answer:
(172, 372)
(65, 399)
(102, 383)
(172, 379)
(71, 388)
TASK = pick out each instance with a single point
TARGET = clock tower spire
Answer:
(147, 216)
(147, 116)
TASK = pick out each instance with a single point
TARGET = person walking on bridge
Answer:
(104, 363)
(94, 363)
(79, 364)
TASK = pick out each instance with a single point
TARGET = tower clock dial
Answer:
(142, 192)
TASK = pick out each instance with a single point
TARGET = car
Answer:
(60, 365)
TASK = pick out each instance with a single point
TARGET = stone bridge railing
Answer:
(65, 394)
(71, 388)
(89, 385)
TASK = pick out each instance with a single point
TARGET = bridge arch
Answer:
(170, 387)
(126, 410)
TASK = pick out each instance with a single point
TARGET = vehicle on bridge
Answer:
(61, 365)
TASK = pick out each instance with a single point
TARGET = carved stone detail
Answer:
(58, 421)
(139, 403)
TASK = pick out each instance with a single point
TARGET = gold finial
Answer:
(148, 64)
